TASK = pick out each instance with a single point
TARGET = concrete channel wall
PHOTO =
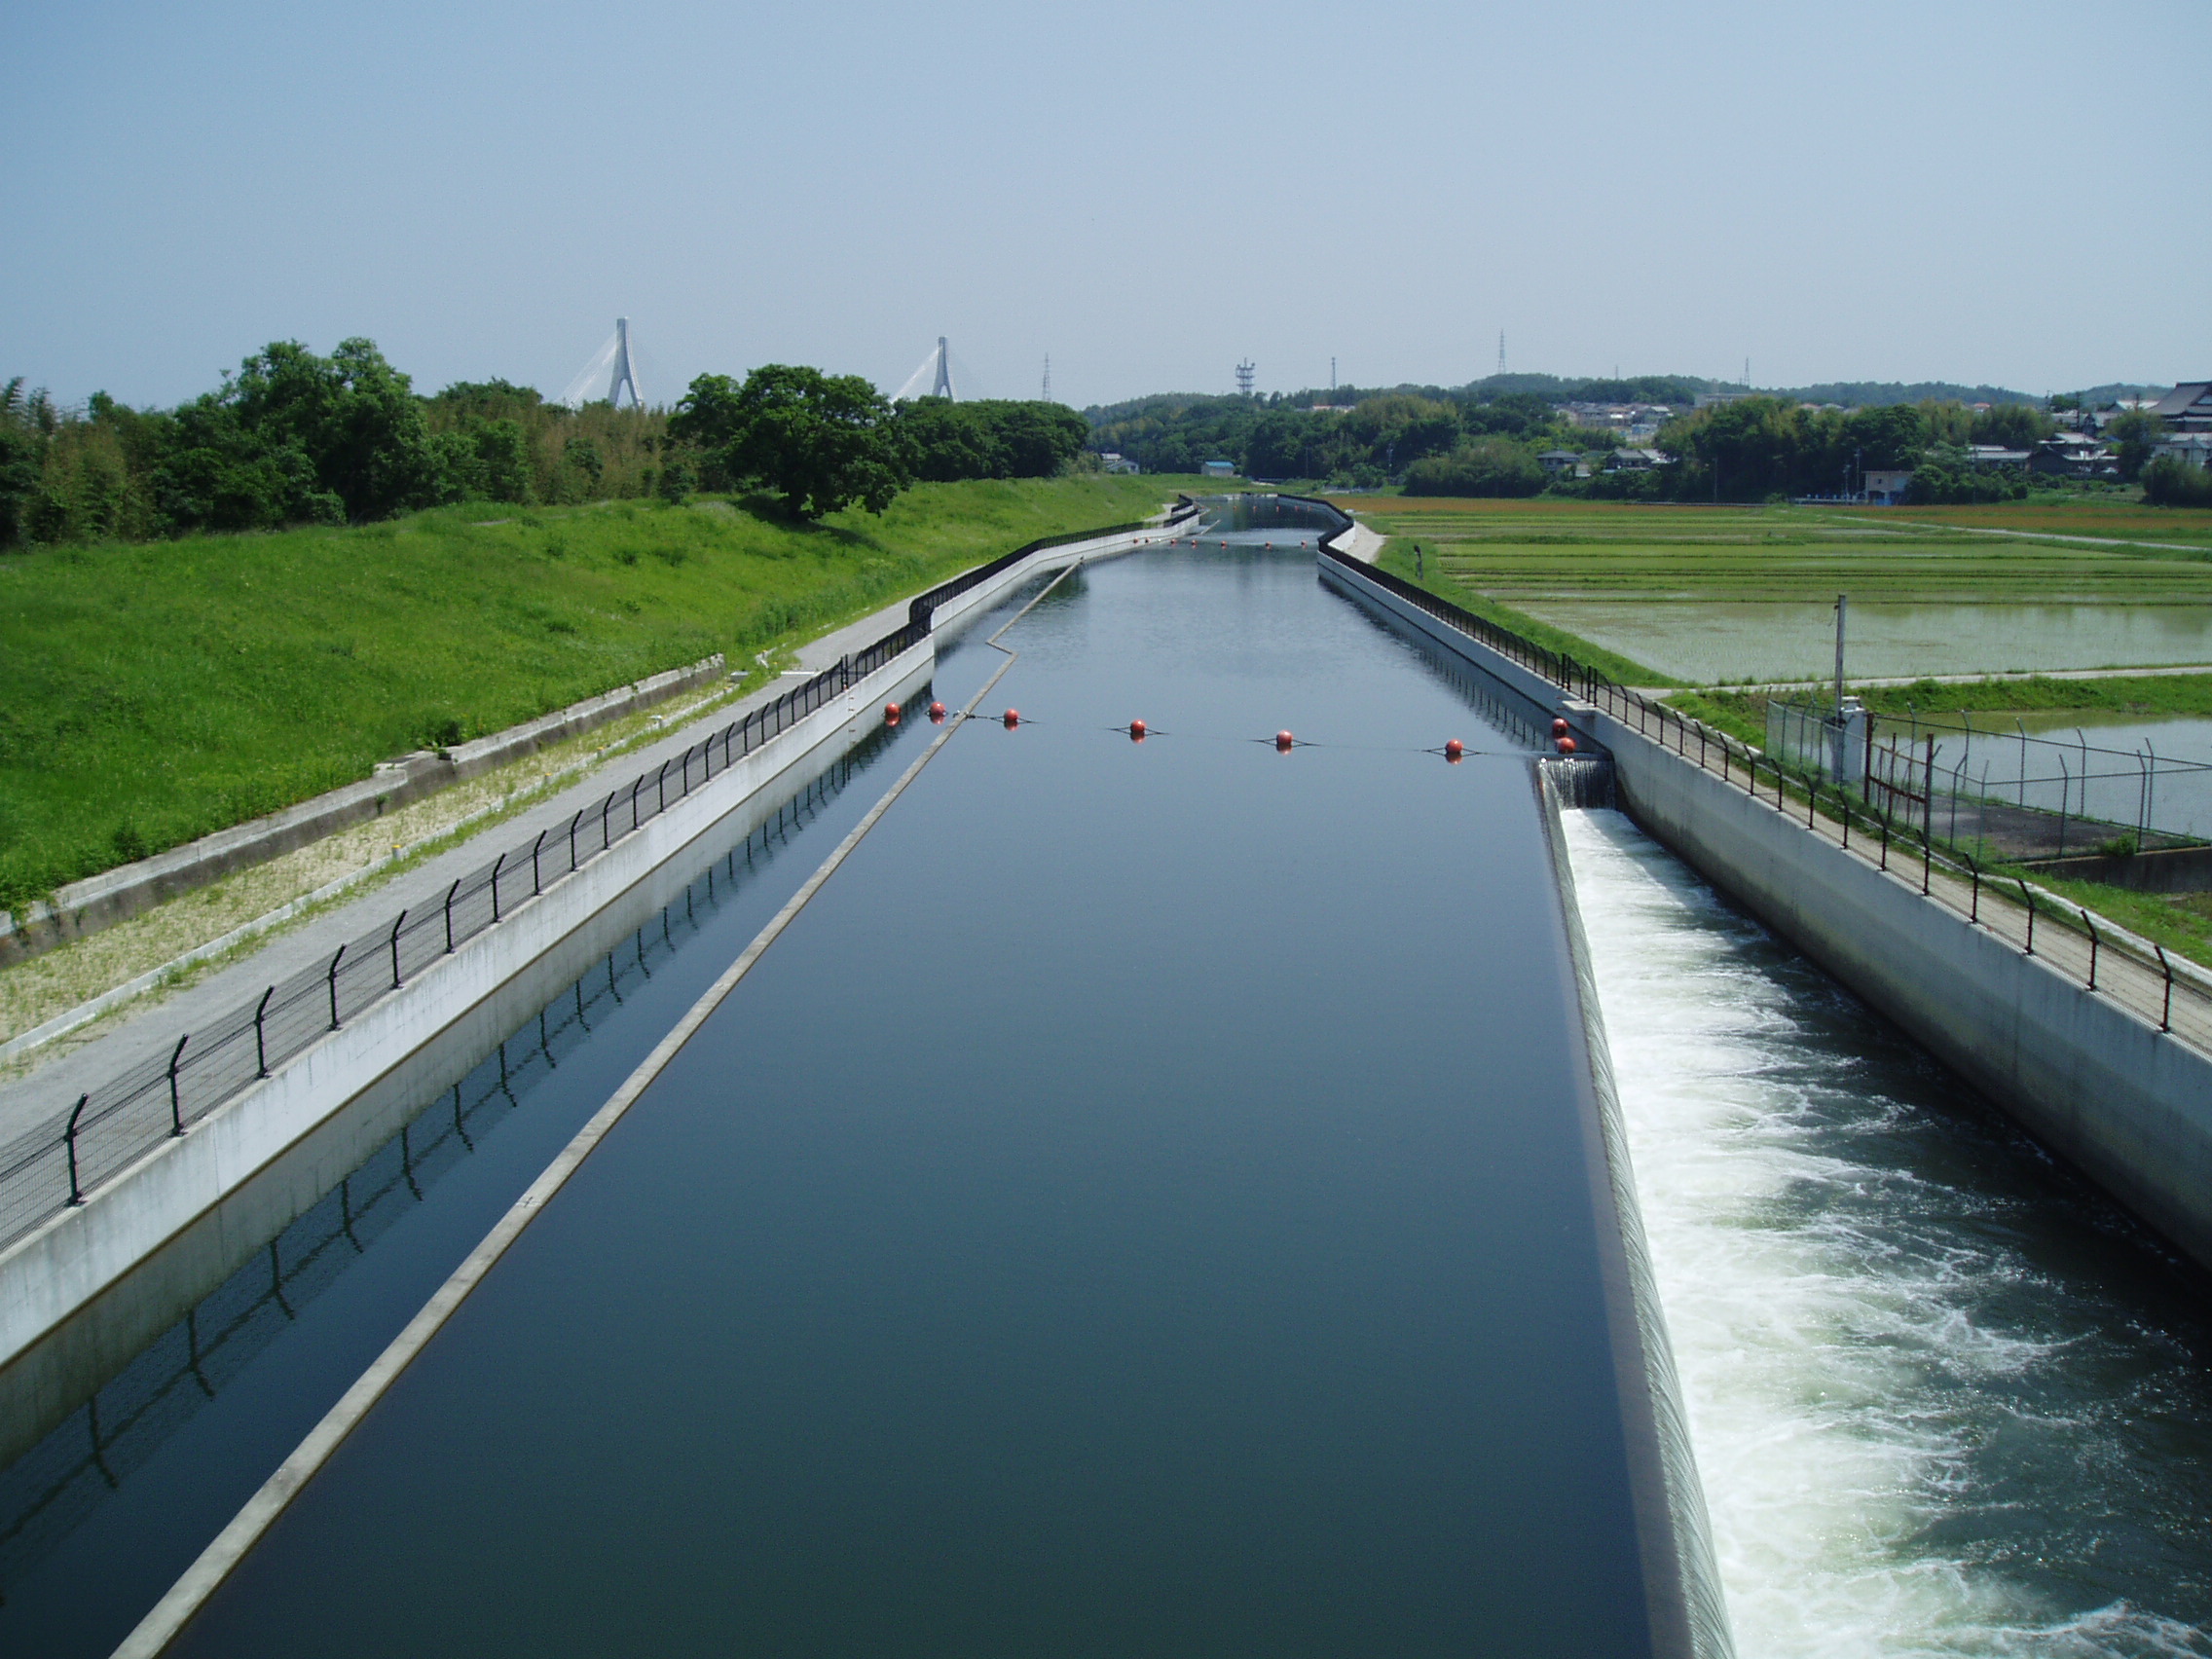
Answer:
(86, 1292)
(115, 894)
(2129, 1105)
(190, 1212)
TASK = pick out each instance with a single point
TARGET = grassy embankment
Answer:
(1495, 557)
(152, 694)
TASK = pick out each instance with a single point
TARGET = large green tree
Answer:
(818, 442)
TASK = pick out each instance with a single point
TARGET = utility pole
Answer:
(1332, 380)
(1501, 350)
(1046, 394)
(1841, 604)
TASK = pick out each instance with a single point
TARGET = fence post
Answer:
(450, 892)
(69, 1139)
(497, 865)
(260, 1046)
(2166, 1014)
(2092, 927)
(1811, 800)
(537, 882)
(395, 927)
(334, 962)
(176, 1111)
(633, 789)
(606, 839)
(1927, 858)
(2028, 899)
(573, 823)
(1974, 913)
(1885, 840)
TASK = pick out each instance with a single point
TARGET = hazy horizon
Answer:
(1975, 195)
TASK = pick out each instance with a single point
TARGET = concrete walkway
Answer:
(152, 1025)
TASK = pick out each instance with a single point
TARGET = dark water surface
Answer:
(1137, 1208)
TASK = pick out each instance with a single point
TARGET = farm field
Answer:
(151, 694)
(1734, 595)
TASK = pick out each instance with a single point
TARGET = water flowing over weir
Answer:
(1944, 1399)
(1139, 1207)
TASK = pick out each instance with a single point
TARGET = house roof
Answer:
(2190, 397)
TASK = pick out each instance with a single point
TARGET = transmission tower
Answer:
(1245, 378)
(1046, 394)
(943, 387)
(623, 375)
(1332, 376)
(1501, 350)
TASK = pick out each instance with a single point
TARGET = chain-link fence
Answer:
(1998, 793)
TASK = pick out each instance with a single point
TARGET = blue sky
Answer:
(2002, 193)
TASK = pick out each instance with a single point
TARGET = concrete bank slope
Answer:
(56, 1273)
(2127, 1103)
(102, 901)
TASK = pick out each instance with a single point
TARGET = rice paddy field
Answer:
(1721, 594)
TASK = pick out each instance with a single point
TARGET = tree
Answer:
(353, 415)
(819, 442)
(1485, 466)
(2013, 426)
(2136, 430)
(2171, 483)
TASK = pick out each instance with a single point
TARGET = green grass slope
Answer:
(152, 694)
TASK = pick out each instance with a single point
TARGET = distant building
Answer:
(2071, 455)
(1637, 460)
(1885, 485)
(1559, 463)
(1219, 468)
(2191, 449)
(2187, 408)
(1706, 399)
(1112, 462)
(1995, 454)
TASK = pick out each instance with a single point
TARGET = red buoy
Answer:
(1454, 749)
(1137, 730)
(1013, 718)
(1283, 741)
(1558, 728)
(891, 714)
(1566, 745)
(937, 714)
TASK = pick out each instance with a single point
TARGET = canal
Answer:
(1142, 1204)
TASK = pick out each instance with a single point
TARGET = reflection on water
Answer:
(105, 1463)
(1945, 1400)
(1710, 642)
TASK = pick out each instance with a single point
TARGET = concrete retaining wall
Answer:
(380, 1065)
(112, 895)
(2129, 1105)
(985, 594)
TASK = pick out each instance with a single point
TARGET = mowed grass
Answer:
(152, 694)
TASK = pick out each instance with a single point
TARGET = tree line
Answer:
(1482, 440)
(298, 438)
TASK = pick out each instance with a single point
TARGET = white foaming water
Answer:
(1927, 1419)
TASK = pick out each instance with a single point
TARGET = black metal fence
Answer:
(47, 1491)
(111, 1127)
(919, 611)
(2143, 977)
